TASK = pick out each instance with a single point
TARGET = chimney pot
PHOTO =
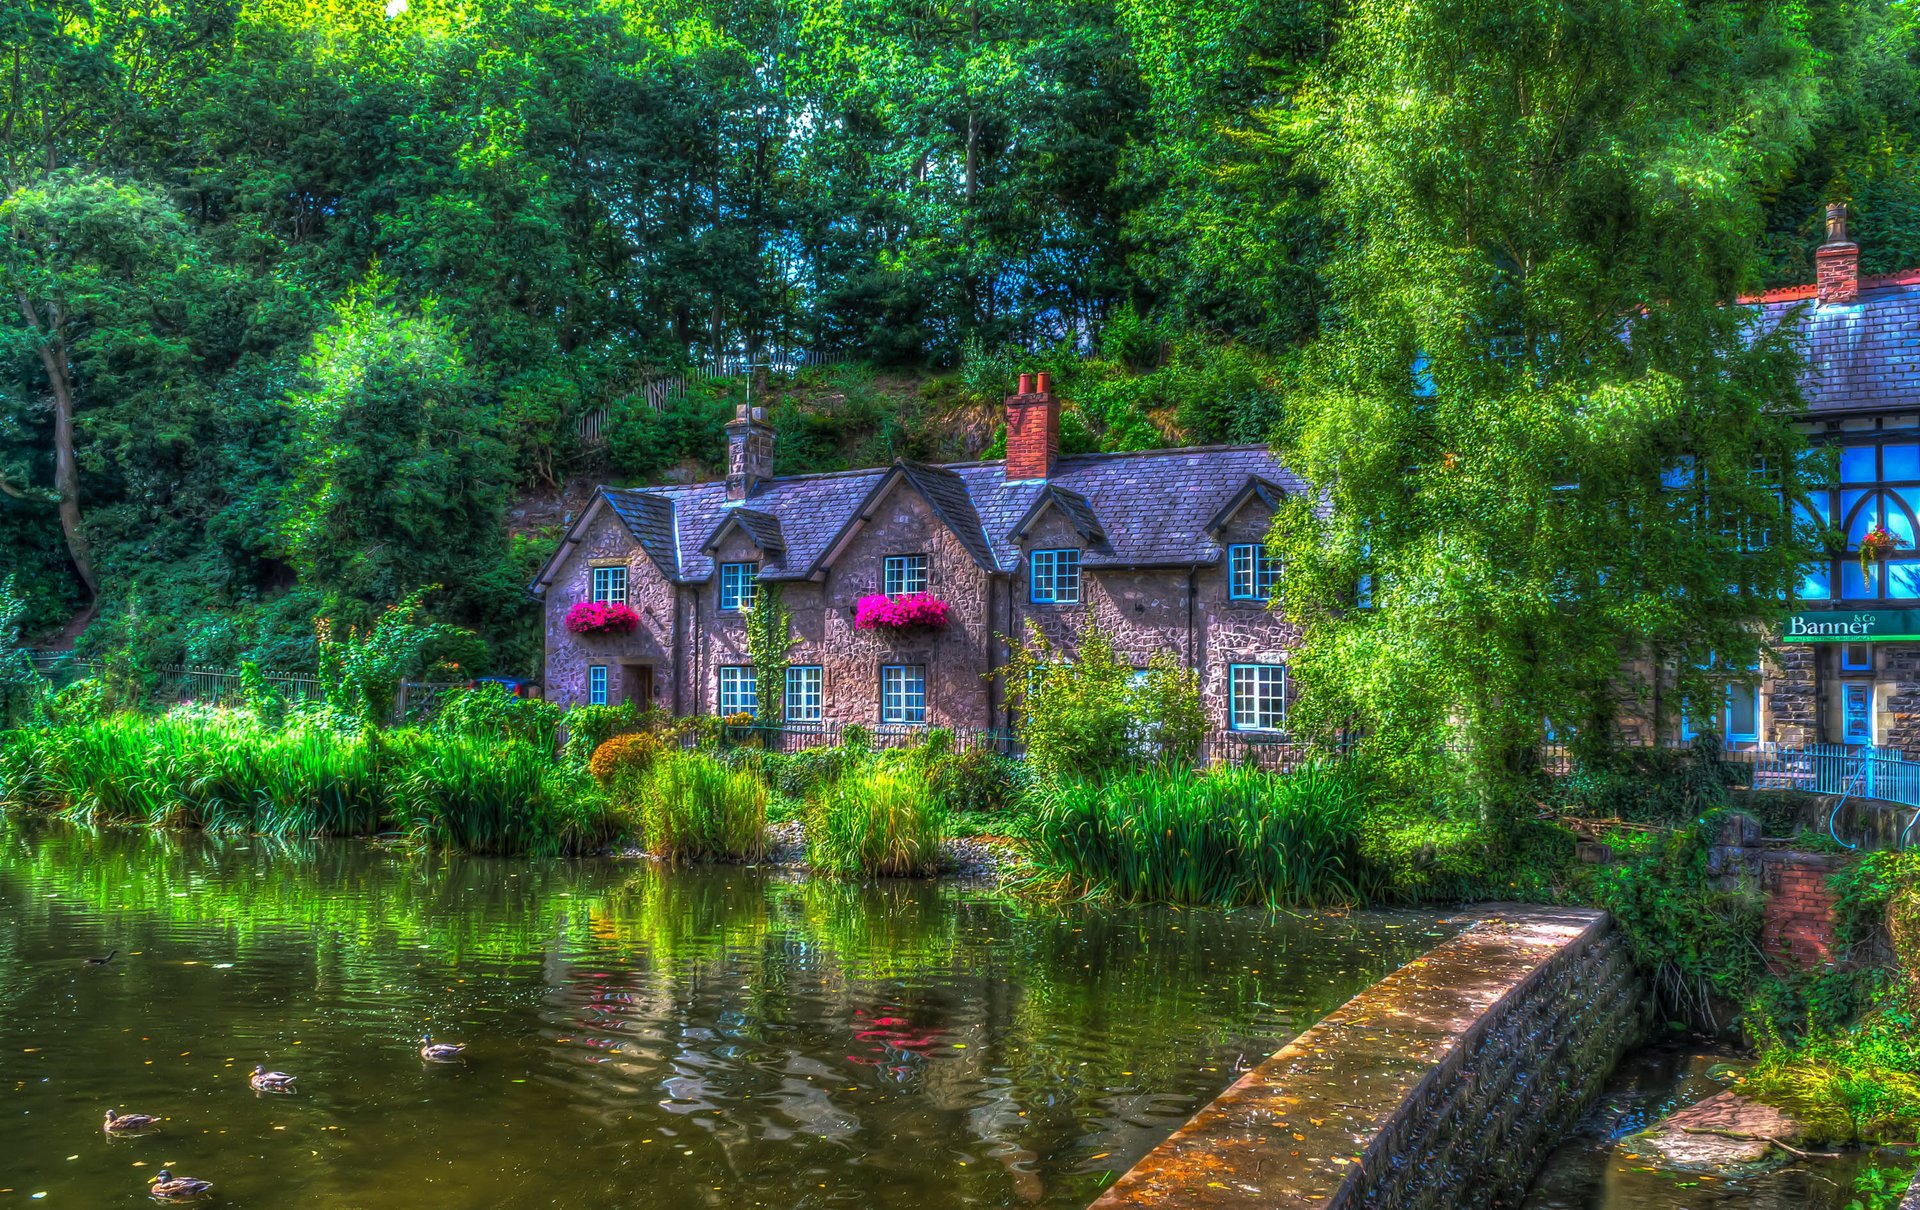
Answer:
(1836, 265)
(1033, 430)
(1041, 382)
(1026, 384)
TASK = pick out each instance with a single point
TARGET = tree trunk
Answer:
(66, 470)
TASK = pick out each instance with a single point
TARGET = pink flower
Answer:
(882, 612)
(599, 617)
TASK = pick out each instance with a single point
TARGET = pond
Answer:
(720, 1036)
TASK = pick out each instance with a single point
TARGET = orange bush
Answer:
(631, 753)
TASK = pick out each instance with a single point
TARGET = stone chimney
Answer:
(1033, 429)
(749, 452)
(1836, 272)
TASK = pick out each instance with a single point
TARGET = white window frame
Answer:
(805, 698)
(904, 575)
(1251, 572)
(738, 693)
(1053, 577)
(903, 694)
(597, 681)
(610, 585)
(1723, 713)
(1252, 684)
(739, 585)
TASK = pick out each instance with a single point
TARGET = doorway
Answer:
(637, 684)
(1856, 712)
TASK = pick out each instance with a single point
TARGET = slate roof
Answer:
(1147, 509)
(1863, 355)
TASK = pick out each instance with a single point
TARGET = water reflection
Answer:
(724, 1037)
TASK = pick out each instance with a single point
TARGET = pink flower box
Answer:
(595, 617)
(882, 612)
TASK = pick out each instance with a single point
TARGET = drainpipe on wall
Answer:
(699, 651)
(673, 652)
(1193, 592)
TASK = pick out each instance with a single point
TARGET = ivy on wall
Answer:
(769, 639)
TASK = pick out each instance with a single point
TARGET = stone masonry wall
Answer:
(569, 655)
(1444, 1085)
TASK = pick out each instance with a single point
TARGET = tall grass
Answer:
(227, 770)
(693, 808)
(877, 821)
(1232, 836)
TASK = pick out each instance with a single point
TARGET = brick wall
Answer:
(1799, 923)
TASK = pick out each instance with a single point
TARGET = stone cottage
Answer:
(1163, 548)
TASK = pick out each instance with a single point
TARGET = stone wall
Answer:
(1444, 1085)
(1799, 922)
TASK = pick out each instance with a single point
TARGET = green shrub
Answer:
(877, 820)
(694, 808)
(1085, 717)
(803, 774)
(588, 727)
(491, 710)
(1651, 785)
(975, 782)
(1229, 836)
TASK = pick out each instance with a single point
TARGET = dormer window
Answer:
(1251, 572)
(739, 582)
(1054, 577)
(610, 585)
(905, 575)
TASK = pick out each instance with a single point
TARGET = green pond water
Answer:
(638, 1036)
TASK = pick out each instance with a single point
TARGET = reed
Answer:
(1232, 836)
(877, 821)
(229, 771)
(693, 808)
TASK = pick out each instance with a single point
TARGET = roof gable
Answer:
(1076, 508)
(762, 529)
(946, 495)
(1256, 488)
(647, 518)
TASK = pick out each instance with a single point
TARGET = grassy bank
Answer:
(229, 770)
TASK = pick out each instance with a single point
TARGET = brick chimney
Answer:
(1033, 429)
(1837, 263)
(749, 452)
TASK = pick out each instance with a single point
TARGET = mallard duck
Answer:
(166, 1187)
(439, 1052)
(129, 1123)
(270, 1081)
(102, 961)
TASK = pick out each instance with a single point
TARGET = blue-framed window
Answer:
(903, 693)
(1879, 485)
(610, 585)
(805, 700)
(1856, 657)
(1736, 718)
(1054, 577)
(737, 690)
(1251, 572)
(597, 685)
(739, 583)
(1257, 697)
(904, 575)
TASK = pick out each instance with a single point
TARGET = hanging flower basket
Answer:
(1875, 545)
(882, 612)
(595, 617)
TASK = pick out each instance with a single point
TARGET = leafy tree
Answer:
(361, 671)
(1083, 716)
(1540, 439)
(400, 471)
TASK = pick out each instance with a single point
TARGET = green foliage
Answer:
(1650, 785)
(696, 808)
(1884, 1188)
(1084, 717)
(362, 673)
(1525, 494)
(1440, 851)
(878, 819)
(975, 782)
(1228, 836)
(588, 727)
(1700, 944)
(490, 710)
(226, 769)
(769, 638)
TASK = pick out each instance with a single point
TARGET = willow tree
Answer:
(1542, 442)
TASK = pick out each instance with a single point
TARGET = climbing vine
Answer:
(769, 639)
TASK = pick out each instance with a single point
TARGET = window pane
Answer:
(1852, 586)
(903, 694)
(1899, 524)
(1240, 571)
(1743, 715)
(737, 690)
(1816, 510)
(610, 585)
(1900, 462)
(1861, 509)
(1856, 657)
(1857, 465)
(1815, 582)
(597, 685)
(1257, 696)
(1903, 578)
(1055, 576)
(803, 701)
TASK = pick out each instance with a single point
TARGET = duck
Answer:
(103, 960)
(270, 1081)
(129, 1123)
(439, 1052)
(166, 1187)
